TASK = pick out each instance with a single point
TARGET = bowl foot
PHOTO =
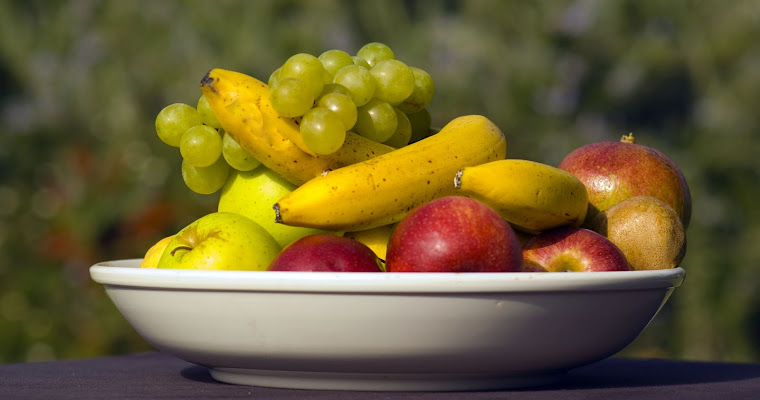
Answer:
(380, 381)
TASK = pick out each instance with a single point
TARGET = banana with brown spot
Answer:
(241, 104)
(382, 190)
(530, 195)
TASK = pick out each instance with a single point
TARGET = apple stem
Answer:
(627, 138)
(458, 179)
(277, 217)
(187, 248)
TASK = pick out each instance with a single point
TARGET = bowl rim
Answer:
(127, 273)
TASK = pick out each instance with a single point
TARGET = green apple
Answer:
(221, 241)
(253, 193)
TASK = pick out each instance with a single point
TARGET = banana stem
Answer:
(277, 217)
(458, 179)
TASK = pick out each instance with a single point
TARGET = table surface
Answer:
(157, 375)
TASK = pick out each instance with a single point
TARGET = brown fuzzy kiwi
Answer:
(648, 232)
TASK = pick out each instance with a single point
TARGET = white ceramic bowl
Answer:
(386, 331)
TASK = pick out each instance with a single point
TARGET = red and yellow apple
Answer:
(572, 249)
(453, 234)
(326, 253)
(615, 171)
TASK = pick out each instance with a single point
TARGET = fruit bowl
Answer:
(386, 331)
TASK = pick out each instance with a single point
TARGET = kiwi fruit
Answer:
(648, 232)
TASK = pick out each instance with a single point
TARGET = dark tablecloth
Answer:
(162, 376)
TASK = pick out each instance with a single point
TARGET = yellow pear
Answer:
(154, 253)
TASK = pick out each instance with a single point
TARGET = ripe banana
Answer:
(382, 190)
(376, 238)
(531, 196)
(241, 104)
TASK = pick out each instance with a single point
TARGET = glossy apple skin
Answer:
(615, 171)
(220, 241)
(326, 253)
(453, 234)
(572, 249)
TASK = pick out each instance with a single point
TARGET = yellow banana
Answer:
(382, 190)
(531, 196)
(376, 238)
(241, 104)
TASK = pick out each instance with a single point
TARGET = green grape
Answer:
(174, 120)
(207, 116)
(374, 52)
(334, 60)
(236, 156)
(403, 132)
(322, 130)
(201, 145)
(395, 80)
(274, 77)
(359, 81)
(424, 89)
(360, 62)
(420, 121)
(308, 69)
(342, 106)
(205, 180)
(328, 78)
(291, 97)
(376, 120)
(334, 88)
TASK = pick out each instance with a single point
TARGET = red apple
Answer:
(453, 234)
(327, 253)
(615, 171)
(569, 248)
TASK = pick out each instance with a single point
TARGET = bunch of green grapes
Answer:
(371, 93)
(208, 152)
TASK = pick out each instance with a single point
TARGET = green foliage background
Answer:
(83, 177)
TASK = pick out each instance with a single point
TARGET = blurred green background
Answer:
(84, 178)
